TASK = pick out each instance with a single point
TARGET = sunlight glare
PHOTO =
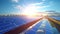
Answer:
(30, 11)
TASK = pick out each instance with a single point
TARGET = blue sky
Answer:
(16, 6)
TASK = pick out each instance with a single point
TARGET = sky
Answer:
(19, 6)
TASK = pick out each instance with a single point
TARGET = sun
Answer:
(30, 11)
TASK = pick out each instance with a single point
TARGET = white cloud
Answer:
(31, 6)
(15, 0)
(38, 3)
(41, 3)
(40, 7)
(20, 8)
